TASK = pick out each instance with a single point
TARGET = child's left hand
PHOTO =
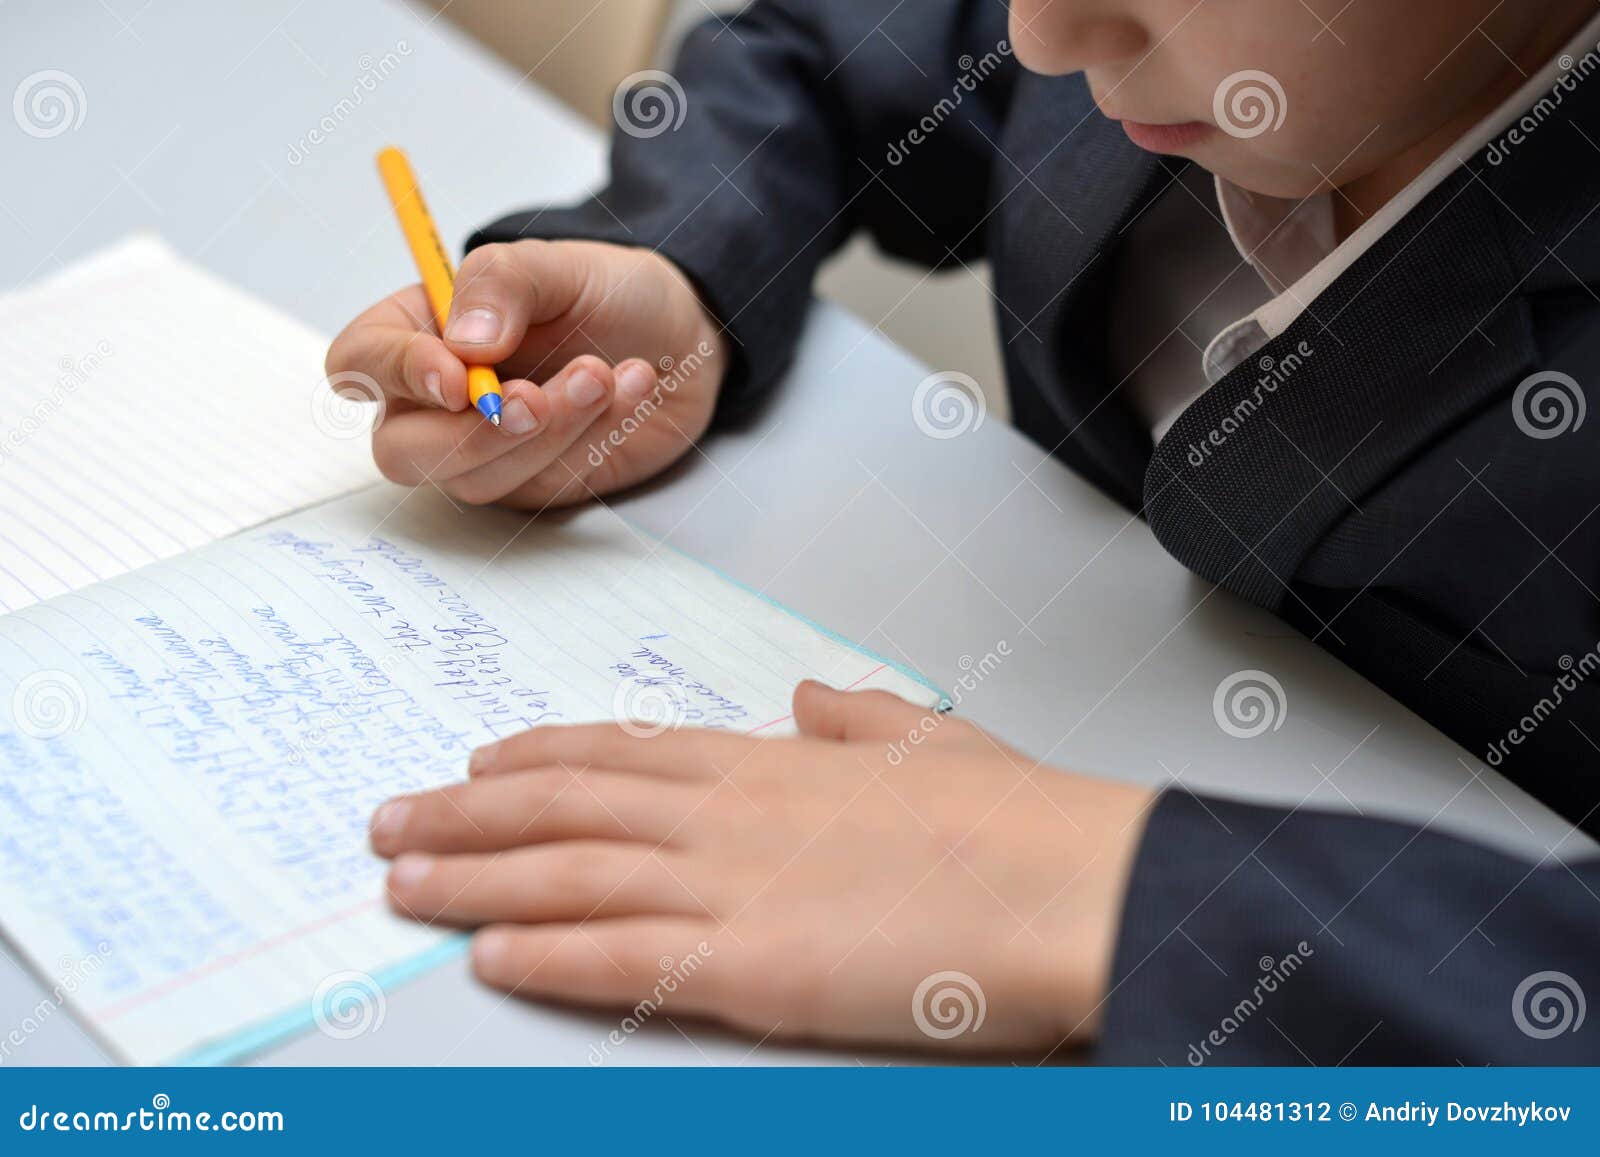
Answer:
(805, 888)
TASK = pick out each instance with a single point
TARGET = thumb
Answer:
(820, 712)
(501, 290)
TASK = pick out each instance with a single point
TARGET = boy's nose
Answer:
(1060, 36)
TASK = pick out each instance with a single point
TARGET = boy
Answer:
(1341, 376)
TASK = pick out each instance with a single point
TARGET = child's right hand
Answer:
(627, 360)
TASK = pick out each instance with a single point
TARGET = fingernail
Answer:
(635, 381)
(389, 821)
(479, 326)
(584, 389)
(409, 871)
(435, 387)
(482, 759)
(516, 418)
(489, 949)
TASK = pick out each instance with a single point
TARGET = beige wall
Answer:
(577, 49)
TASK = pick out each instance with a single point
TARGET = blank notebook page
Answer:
(147, 408)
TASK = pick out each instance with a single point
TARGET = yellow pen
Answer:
(433, 262)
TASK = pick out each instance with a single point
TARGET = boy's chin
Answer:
(1276, 178)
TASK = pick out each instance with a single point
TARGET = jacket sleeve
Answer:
(780, 132)
(1258, 936)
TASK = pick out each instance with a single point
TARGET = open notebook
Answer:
(201, 702)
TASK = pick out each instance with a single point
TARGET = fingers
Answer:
(576, 399)
(501, 290)
(820, 712)
(538, 424)
(693, 753)
(394, 344)
(604, 962)
(566, 479)
(573, 880)
(529, 808)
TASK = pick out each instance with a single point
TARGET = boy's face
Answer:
(1282, 95)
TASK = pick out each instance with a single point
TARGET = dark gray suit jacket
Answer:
(1394, 508)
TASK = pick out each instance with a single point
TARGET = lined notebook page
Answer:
(195, 748)
(147, 408)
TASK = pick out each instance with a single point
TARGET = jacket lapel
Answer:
(1423, 329)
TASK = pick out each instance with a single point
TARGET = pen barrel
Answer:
(481, 380)
(422, 236)
(430, 255)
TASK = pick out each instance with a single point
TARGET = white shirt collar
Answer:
(1291, 244)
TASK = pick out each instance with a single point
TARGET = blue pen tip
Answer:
(489, 407)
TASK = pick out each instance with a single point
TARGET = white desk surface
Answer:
(835, 504)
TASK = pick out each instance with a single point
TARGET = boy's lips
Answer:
(1166, 138)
